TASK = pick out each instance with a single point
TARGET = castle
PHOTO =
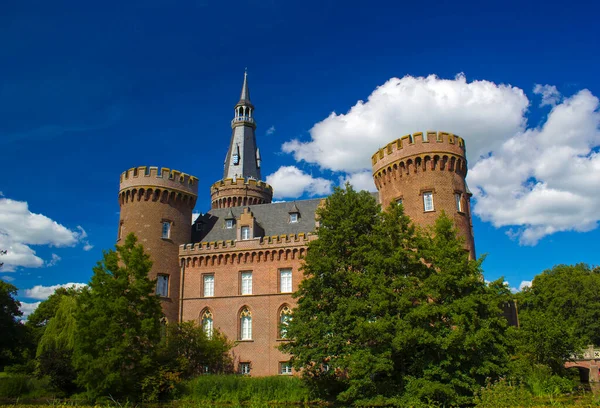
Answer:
(235, 267)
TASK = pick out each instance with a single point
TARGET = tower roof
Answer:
(245, 95)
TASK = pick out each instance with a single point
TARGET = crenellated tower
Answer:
(156, 205)
(425, 172)
(241, 183)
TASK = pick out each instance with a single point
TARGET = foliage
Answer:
(385, 311)
(20, 385)
(12, 337)
(237, 388)
(38, 319)
(503, 394)
(119, 329)
(570, 295)
(55, 349)
(186, 352)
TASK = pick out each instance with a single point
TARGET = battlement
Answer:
(421, 142)
(150, 176)
(241, 183)
(257, 243)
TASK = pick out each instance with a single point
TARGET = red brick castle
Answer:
(235, 268)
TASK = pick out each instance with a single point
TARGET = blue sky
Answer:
(89, 90)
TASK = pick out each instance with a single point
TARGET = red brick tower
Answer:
(157, 206)
(425, 172)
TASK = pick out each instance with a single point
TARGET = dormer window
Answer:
(245, 232)
(294, 213)
(293, 217)
(229, 224)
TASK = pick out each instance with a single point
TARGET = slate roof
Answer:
(273, 219)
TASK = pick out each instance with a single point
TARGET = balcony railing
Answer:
(242, 119)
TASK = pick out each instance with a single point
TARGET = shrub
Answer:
(503, 394)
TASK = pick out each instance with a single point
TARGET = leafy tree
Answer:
(118, 328)
(55, 349)
(12, 330)
(385, 311)
(45, 311)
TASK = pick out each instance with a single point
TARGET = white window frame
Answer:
(293, 218)
(244, 368)
(229, 224)
(245, 233)
(285, 368)
(284, 321)
(428, 201)
(458, 199)
(245, 325)
(208, 282)
(166, 230)
(246, 283)
(207, 324)
(162, 285)
(285, 280)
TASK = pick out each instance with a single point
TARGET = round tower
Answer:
(234, 193)
(157, 207)
(425, 172)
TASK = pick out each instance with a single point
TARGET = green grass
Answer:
(235, 389)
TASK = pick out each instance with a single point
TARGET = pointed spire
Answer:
(245, 96)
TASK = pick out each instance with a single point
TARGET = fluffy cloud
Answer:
(291, 182)
(20, 228)
(550, 94)
(360, 181)
(43, 292)
(28, 308)
(54, 260)
(544, 180)
(524, 284)
(532, 181)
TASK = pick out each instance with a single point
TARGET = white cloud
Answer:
(544, 180)
(28, 308)
(524, 284)
(271, 130)
(8, 278)
(550, 94)
(194, 216)
(481, 111)
(43, 292)
(535, 181)
(20, 228)
(291, 182)
(87, 246)
(360, 181)
(53, 261)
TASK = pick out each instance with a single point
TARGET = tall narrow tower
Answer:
(241, 183)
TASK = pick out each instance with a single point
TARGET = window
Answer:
(207, 323)
(120, 231)
(293, 217)
(229, 224)
(244, 368)
(285, 368)
(428, 201)
(245, 324)
(166, 229)
(209, 285)
(457, 197)
(285, 317)
(245, 233)
(398, 201)
(285, 280)
(246, 283)
(162, 285)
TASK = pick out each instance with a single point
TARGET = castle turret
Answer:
(425, 172)
(241, 183)
(156, 205)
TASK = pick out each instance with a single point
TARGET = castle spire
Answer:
(242, 159)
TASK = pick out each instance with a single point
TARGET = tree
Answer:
(118, 324)
(45, 311)
(385, 311)
(12, 330)
(55, 349)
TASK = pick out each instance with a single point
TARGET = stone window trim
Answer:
(285, 368)
(245, 325)
(244, 367)
(245, 283)
(245, 232)
(166, 234)
(424, 192)
(284, 315)
(280, 288)
(207, 322)
(460, 205)
(211, 291)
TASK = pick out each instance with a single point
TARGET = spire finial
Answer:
(245, 96)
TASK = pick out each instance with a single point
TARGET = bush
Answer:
(19, 385)
(235, 389)
(503, 394)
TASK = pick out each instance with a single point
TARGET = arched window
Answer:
(245, 324)
(285, 316)
(207, 323)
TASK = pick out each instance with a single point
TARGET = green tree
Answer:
(385, 311)
(12, 330)
(45, 311)
(118, 328)
(55, 349)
